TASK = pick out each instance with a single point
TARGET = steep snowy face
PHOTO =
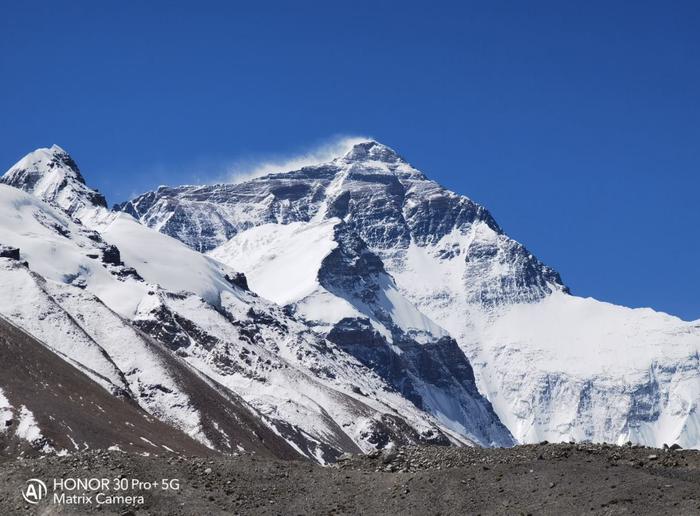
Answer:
(315, 265)
(572, 368)
(323, 272)
(224, 344)
(60, 249)
(554, 366)
(52, 175)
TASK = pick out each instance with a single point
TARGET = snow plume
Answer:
(217, 170)
(246, 169)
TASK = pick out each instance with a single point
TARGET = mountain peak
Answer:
(52, 161)
(372, 150)
(53, 175)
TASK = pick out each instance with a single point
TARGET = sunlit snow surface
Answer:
(290, 264)
(566, 367)
(282, 263)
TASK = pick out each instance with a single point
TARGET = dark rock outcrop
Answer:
(239, 280)
(111, 255)
(9, 252)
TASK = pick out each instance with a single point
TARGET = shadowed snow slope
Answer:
(554, 366)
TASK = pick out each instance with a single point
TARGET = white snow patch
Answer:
(28, 428)
(75, 445)
(281, 262)
(148, 442)
(583, 336)
(165, 261)
(5, 412)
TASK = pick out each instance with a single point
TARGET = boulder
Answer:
(239, 280)
(111, 255)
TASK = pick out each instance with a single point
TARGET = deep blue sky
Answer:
(578, 126)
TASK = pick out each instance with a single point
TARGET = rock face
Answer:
(9, 252)
(387, 203)
(554, 366)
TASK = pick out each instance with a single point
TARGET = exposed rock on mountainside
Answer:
(386, 202)
(9, 252)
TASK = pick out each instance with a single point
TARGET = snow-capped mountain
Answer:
(368, 250)
(183, 336)
(52, 175)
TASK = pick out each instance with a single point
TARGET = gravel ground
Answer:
(537, 479)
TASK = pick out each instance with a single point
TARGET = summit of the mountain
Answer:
(53, 175)
(371, 150)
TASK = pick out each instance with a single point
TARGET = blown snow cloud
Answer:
(246, 169)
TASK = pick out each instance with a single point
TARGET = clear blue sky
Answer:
(578, 126)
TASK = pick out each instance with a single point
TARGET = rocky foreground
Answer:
(535, 479)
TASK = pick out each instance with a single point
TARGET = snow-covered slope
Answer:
(603, 372)
(554, 366)
(321, 271)
(57, 298)
(51, 174)
(181, 334)
(159, 259)
(285, 263)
